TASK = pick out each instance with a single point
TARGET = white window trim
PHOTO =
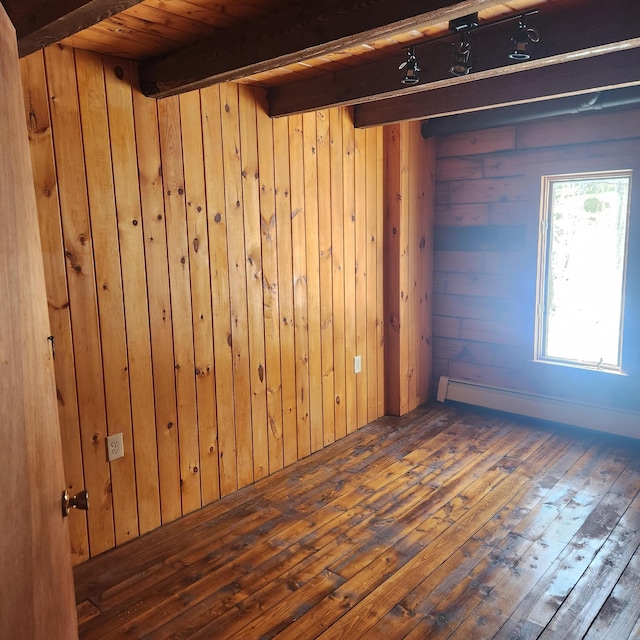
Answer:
(542, 269)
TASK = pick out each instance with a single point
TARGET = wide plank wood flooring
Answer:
(446, 523)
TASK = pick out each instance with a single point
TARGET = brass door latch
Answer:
(79, 501)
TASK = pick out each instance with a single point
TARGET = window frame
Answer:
(542, 271)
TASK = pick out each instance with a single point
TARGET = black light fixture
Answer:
(521, 39)
(461, 59)
(412, 68)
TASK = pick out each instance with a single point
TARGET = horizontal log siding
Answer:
(209, 285)
(485, 259)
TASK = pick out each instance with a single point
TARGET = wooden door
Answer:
(36, 581)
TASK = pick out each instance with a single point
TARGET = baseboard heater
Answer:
(624, 423)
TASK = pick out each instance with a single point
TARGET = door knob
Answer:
(79, 501)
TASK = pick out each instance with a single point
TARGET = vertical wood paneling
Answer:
(299, 259)
(220, 297)
(349, 217)
(78, 252)
(159, 302)
(325, 271)
(252, 233)
(237, 281)
(269, 233)
(198, 242)
(106, 255)
(180, 286)
(372, 240)
(407, 262)
(46, 189)
(404, 270)
(362, 190)
(285, 287)
(323, 149)
(393, 217)
(241, 258)
(381, 187)
(310, 133)
(337, 265)
(134, 285)
(424, 293)
(411, 324)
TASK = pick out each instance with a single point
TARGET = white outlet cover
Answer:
(115, 447)
(357, 364)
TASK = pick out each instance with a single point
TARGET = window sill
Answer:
(579, 367)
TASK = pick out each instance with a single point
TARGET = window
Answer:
(581, 274)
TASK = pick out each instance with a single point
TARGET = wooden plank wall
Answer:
(408, 276)
(211, 275)
(485, 259)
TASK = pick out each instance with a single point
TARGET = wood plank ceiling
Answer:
(344, 52)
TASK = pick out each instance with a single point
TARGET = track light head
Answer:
(461, 59)
(412, 68)
(521, 39)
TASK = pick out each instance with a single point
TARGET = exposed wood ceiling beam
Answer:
(561, 36)
(41, 23)
(608, 71)
(305, 31)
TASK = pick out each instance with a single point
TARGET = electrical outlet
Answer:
(115, 448)
(357, 364)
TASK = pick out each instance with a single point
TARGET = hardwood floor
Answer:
(446, 523)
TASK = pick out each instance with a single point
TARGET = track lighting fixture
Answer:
(521, 39)
(412, 68)
(461, 59)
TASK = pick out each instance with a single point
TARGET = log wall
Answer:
(211, 274)
(485, 260)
